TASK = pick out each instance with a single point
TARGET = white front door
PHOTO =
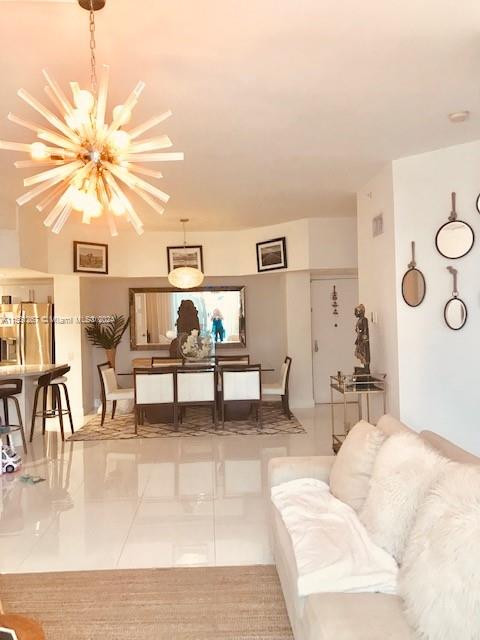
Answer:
(333, 335)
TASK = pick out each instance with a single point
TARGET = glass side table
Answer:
(354, 388)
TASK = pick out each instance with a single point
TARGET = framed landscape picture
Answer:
(185, 257)
(272, 254)
(90, 257)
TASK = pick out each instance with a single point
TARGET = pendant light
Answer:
(91, 165)
(185, 277)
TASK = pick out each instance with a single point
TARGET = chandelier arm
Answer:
(48, 115)
(149, 200)
(138, 182)
(53, 99)
(56, 90)
(134, 168)
(64, 171)
(127, 107)
(54, 193)
(162, 142)
(131, 213)
(62, 142)
(58, 208)
(28, 164)
(45, 186)
(106, 205)
(155, 157)
(62, 219)
(148, 124)
(27, 124)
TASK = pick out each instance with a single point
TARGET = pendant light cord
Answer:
(93, 59)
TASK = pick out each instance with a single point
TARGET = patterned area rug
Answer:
(197, 422)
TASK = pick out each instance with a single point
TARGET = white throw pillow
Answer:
(404, 470)
(351, 471)
(439, 579)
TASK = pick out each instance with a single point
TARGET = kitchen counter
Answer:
(26, 370)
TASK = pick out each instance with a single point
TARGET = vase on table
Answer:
(195, 347)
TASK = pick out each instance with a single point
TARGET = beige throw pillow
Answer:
(439, 579)
(403, 472)
(351, 471)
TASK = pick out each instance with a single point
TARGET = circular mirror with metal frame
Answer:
(413, 283)
(455, 312)
(455, 238)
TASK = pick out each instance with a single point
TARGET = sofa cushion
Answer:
(404, 469)
(351, 471)
(390, 425)
(355, 616)
(439, 579)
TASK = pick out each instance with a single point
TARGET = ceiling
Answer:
(284, 108)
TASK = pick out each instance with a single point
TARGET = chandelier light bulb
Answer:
(120, 140)
(39, 151)
(84, 101)
(92, 207)
(117, 207)
(126, 116)
(77, 199)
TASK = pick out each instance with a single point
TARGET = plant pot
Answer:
(111, 355)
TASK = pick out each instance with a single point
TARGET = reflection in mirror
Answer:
(413, 287)
(455, 239)
(154, 313)
(455, 313)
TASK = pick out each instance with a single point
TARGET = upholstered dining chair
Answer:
(280, 388)
(232, 360)
(110, 390)
(242, 384)
(153, 387)
(197, 386)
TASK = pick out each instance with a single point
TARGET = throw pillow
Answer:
(439, 579)
(351, 471)
(404, 470)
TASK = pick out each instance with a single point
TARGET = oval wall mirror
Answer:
(455, 311)
(413, 283)
(455, 238)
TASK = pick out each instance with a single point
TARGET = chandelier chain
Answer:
(93, 59)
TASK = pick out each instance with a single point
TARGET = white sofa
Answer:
(340, 616)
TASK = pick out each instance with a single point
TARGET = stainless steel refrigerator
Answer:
(26, 333)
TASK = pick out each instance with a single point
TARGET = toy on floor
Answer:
(11, 461)
(28, 479)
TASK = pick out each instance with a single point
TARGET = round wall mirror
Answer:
(413, 287)
(455, 239)
(455, 313)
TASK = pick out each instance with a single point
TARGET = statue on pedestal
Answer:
(362, 343)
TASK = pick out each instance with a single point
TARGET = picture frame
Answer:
(272, 255)
(90, 257)
(185, 256)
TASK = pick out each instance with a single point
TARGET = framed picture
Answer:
(185, 257)
(90, 257)
(272, 254)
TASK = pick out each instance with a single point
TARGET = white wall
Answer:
(377, 277)
(438, 367)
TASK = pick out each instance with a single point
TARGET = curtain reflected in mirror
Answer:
(154, 313)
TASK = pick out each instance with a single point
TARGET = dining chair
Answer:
(110, 391)
(197, 386)
(242, 384)
(153, 387)
(232, 360)
(280, 388)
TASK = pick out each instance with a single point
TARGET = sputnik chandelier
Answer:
(93, 164)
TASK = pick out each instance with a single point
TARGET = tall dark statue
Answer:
(362, 343)
(187, 321)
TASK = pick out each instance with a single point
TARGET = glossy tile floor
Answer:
(146, 503)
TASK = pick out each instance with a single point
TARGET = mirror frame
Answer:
(165, 347)
(463, 254)
(445, 313)
(413, 306)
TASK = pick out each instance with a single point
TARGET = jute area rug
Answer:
(197, 422)
(217, 603)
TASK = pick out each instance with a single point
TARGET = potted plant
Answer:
(107, 334)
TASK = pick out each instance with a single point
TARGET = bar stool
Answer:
(9, 389)
(52, 380)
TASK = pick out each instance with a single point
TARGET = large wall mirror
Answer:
(154, 313)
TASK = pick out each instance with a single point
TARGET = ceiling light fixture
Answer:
(185, 277)
(90, 165)
(458, 116)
